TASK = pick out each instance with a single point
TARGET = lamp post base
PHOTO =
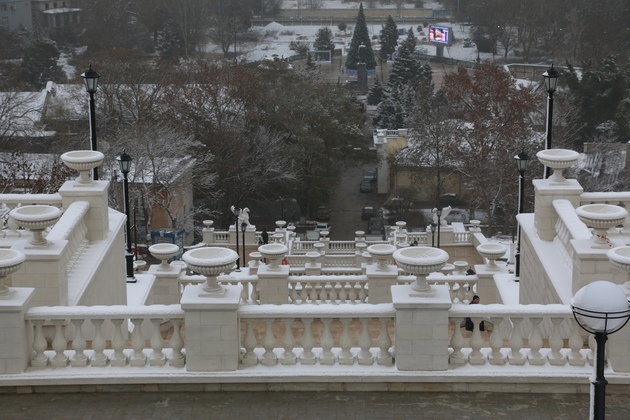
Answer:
(129, 262)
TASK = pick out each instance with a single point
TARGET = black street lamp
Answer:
(521, 162)
(550, 77)
(90, 78)
(243, 228)
(433, 225)
(439, 223)
(600, 308)
(235, 211)
(124, 160)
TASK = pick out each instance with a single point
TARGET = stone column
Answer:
(421, 329)
(273, 284)
(15, 347)
(380, 282)
(546, 191)
(212, 329)
(208, 232)
(618, 349)
(166, 289)
(97, 217)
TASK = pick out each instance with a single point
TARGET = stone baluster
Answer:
(308, 357)
(249, 342)
(269, 342)
(177, 344)
(39, 345)
(304, 292)
(255, 293)
(327, 357)
(323, 291)
(118, 344)
(137, 358)
(365, 343)
(476, 341)
(384, 343)
(576, 343)
(353, 293)
(362, 292)
(157, 344)
(535, 340)
(288, 357)
(313, 294)
(496, 342)
(470, 291)
(461, 293)
(333, 293)
(294, 294)
(346, 357)
(245, 291)
(457, 342)
(343, 294)
(556, 343)
(515, 356)
(78, 345)
(98, 344)
(451, 291)
(59, 344)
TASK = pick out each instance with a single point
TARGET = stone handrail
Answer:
(525, 328)
(568, 225)
(14, 200)
(71, 227)
(333, 290)
(104, 329)
(342, 246)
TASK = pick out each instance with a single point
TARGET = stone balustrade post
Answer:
(212, 329)
(15, 349)
(208, 232)
(380, 282)
(545, 191)
(273, 284)
(486, 286)
(618, 350)
(166, 289)
(97, 217)
(421, 329)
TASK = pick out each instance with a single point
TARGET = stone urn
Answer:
(492, 252)
(382, 253)
(619, 257)
(460, 267)
(210, 262)
(558, 160)
(36, 218)
(164, 252)
(601, 217)
(421, 261)
(475, 225)
(312, 258)
(83, 161)
(273, 253)
(10, 262)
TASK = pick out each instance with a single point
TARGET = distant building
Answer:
(16, 15)
(49, 15)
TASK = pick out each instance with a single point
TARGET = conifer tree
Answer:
(376, 93)
(323, 41)
(360, 36)
(388, 38)
(407, 70)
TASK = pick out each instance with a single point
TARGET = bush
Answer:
(342, 26)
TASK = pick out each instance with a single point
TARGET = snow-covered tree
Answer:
(360, 36)
(324, 40)
(39, 64)
(388, 38)
(376, 93)
(407, 70)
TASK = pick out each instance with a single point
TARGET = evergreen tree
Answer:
(390, 113)
(388, 38)
(407, 70)
(168, 43)
(376, 93)
(360, 36)
(324, 42)
(39, 64)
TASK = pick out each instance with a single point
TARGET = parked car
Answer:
(366, 186)
(323, 226)
(367, 213)
(376, 226)
(369, 175)
(452, 199)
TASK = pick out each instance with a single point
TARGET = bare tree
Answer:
(20, 112)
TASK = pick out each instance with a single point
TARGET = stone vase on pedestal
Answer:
(10, 262)
(492, 252)
(558, 160)
(36, 218)
(164, 252)
(601, 217)
(83, 161)
(210, 262)
(421, 261)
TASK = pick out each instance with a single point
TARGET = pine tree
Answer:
(376, 93)
(390, 113)
(360, 36)
(388, 38)
(168, 43)
(407, 70)
(39, 64)
(323, 41)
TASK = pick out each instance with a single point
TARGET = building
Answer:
(50, 15)
(16, 15)
(316, 311)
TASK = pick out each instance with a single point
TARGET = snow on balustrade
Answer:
(98, 336)
(518, 336)
(324, 334)
(342, 246)
(334, 290)
(10, 201)
(221, 237)
(616, 198)
(461, 288)
(302, 247)
(71, 227)
(568, 227)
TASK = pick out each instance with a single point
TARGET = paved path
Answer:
(304, 405)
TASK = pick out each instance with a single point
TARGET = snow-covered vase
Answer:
(601, 217)
(273, 253)
(164, 252)
(558, 160)
(10, 262)
(492, 252)
(210, 262)
(421, 261)
(382, 253)
(36, 218)
(83, 161)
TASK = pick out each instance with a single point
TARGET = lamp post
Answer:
(235, 211)
(90, 78)
(521, 162)
(600, 308)
(439, 223)
(243, 228)
(124, 160)
(433, 234)
(550, 77)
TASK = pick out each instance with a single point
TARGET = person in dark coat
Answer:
(470, 326)
(265, 236)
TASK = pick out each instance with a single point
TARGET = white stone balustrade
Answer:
(334, 290)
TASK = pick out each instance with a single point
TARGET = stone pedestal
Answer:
(421, 329)
(15, 347)
(273, 285)
(97, 217)
(212, 329)
(546, 191)
(618, 350)
(380, 282)
(166, 288)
